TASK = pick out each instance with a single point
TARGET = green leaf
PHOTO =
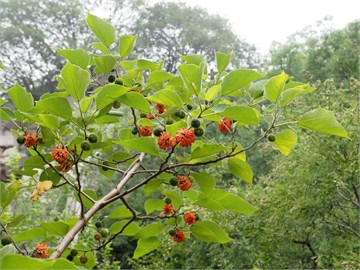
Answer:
(240, 169)
(104, 64)
(143, 144)
(57, 228)
(107, 94)
(206, 150)
(2, 101)
(74, 80)
(145, 245)
(101, 47)
(34, 233)
(3, 192)
(222, 61)
(22, 100)
(275, 86)
(7, 114)
(212, 92)
(149, 230)
(205, 181)
(136, 101)
(256, 89)
(5, 250)
(289, 94)
(152, 205)
(167, 97)
(56, 106)
(91, 193)
(153, 185)
(322, 120)
(76, 56)
(126, 45)
(192, 76)
(120, 212)
(146, 123)
(175, 127)
(48, 120)
(129, 230)
(285, 141)
(209, 232)
(238, 78)
(174, 195)
(104, 31)
(143, 64)
(243, 114)
(16, 221)
(36, 162)
(158, 76)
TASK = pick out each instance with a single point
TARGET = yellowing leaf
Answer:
(41, 187)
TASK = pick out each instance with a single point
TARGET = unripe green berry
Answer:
(20, 140)
(195, 123)
(182, 115)
(97, 236)
(6, 240)
(98, 224)
(116, 104)
(172, 232)
(93, 138)
(135, 131)
(143, 115)
(189, 107)
(199, 132)
(111, 78)
(106, 163)
(83, 259)
(86, 145)
(169, 121)
(167, 200)
(157, 131)
(174, 181)
(74, 252)
(70, 257)
(271, 138)
(119, 81)
(177, 114)
(104, 232)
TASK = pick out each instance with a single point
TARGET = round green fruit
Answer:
(93, 138)
(98, 224)
(97, 236)
(6, 240)
(119, 81)
(135, 131)
(199, 132)
(157, 131)
(105, 169)
(271, 138)
(116, 104)
(74, 252)
(172, 232)
(20, 140)
(174, 181)
(83, 259)
(189, 107)
(104, 232)
(167, 200)
(70, 257)
(169, 121)
(177, 114)
(143, 115)
(181, 115)
(111, 78)
(195, 123)
(86, 145)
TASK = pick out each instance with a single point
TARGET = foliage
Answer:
(57, 131)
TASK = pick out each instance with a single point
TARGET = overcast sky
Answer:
(262, 21)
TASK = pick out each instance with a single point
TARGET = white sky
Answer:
(262, 21)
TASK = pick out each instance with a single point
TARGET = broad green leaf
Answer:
(145, 245)
(158, 76)
(289, 94)
(167, 97)
(143, 144)
(76, 56)
(91, 193)
(212, 92)
(128, 64)
(57, 228)
(175, 127)
(195, 59)
(7, 114)
(209, 232)
(285, 141)
(135, 100)
(143, 64)
(238, 78)
(236, 204)
(2, 101)
(322, 120)
(146, 123)
(16, 221)
(3, 192)
(5, 250)
(149, 230)
(48, 120)
(192, 76)
(153, 185)
(207, 150)
(120, 212)
(130, 229)
(85, 103)
(205, 181)
(34, 233)
(222, 61)
(275, 86)
(22, 100)
(36, 162)
(104, 64)
(107, 94)
(9, 198)
(74, 80)
(152, 205)
(126, 45)
(56, 106)
(243, 114)
(104, 31)
(240, 169)
(256, 89)
(101, 47)
(174, 195)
